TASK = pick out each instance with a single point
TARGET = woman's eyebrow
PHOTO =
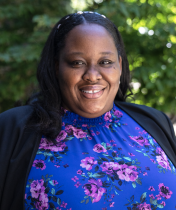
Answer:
(107, 53)
(81, 53)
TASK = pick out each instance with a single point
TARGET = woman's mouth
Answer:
(92, 94)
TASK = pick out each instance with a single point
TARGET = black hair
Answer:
(47, 103)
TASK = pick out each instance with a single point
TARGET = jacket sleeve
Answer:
(12, 126)
(156, 123)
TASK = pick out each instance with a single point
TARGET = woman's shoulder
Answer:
(140, 109)
(147, 115)
(16, 115)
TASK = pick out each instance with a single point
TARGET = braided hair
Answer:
(47, 103)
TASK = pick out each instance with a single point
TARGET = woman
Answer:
(72, 147)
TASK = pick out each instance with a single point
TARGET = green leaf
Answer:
(99, 175)
(53, 191)
(117, 188)
(59, 192)
(143, 196)
(154, 202)
(59, 201)
(161, 206)
(118, 158)
(54, 198)
(127, 158)
(134, 185)
(82, 201)
(139, 181)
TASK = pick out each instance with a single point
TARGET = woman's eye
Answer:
(77, 63)
(106, 62)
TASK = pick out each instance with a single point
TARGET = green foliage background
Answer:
(148, 28)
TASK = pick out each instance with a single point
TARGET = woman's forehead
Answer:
(88, 35)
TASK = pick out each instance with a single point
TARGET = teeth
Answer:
(91, 91)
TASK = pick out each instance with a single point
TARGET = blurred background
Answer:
(148, 28)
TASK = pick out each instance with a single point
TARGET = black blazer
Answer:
(18, 147)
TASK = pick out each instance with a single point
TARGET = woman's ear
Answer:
(120, 63)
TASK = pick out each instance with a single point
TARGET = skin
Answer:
(89, 62)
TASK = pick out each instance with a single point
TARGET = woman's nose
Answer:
(92, 74)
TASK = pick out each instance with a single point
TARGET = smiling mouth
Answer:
(91, 91)
(92, 94)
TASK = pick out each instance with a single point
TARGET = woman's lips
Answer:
(92, 94)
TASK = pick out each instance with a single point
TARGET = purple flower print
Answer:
(151, 188)
(69, 128)
(90, 138)
(78, 133)
(118, 114)
(62, 135)
(131, 154)
(75, 178)
(97, 132)
(162, 159)
(54, 182)
(61, 146)
(87, 163)
(77, 184)
(84, 125)
(104, 208)
(57, 166)
(140, 140)
(158, 197)
(152, 196)
(92, 133)
(127, 173)
(79, 172)
(47, 145)
(37, 188)
(144, 206)
(110, 167)
(94, 189)
(137, 128)
(153, 160)
(145, 174)
(164, 191)
(99, 148)
(111, 204)
(112, 141)
(38, 193)
(163, 203)
(63, 204)
(39, 164)
(112, 195)
(107, 116)
(124, 171)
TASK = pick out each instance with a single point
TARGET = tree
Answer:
(24, 26)
(147, 27)
(149, 33)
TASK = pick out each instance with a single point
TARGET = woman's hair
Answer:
(47, 103)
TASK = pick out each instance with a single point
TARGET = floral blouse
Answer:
(109, 162)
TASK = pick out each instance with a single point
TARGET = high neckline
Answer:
(69, 116)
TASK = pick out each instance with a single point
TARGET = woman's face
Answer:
(89, 71)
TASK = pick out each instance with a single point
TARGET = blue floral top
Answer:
(99, 164)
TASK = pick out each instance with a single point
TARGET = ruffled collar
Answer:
(113, 114)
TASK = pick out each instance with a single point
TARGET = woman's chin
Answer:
(93, 111)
